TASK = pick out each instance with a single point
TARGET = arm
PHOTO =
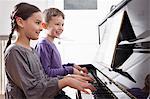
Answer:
(76, 68)
(49, 58)
(30, 82)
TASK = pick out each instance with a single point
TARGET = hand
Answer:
(82, 78)
(76, 71)
(77, 67)
(79, 84)
(84, 69)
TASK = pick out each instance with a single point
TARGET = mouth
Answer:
(59, 33)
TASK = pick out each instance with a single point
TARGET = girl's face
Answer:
(33, 25)
(55, 26)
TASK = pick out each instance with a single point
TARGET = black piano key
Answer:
(102, 91)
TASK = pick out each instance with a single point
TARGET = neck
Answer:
(25, 42)
(50, 38)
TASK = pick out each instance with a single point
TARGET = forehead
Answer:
(36, 16)
(57, 19)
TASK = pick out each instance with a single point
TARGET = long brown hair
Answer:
(23, 10)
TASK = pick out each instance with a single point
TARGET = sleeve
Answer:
(45, 53)
(68, 68)
(20, 73)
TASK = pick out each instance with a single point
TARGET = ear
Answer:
(19, 22)
(44, 25)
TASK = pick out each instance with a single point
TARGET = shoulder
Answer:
(12, 47)
(42, 41)
(15, 49)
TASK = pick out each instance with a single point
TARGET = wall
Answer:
(6, 7)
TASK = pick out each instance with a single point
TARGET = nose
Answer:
(41, 27)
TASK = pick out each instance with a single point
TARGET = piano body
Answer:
(112, 64)
(107, 88)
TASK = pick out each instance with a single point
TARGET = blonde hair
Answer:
(52, 12)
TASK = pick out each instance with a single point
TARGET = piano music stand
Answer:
(110, 54)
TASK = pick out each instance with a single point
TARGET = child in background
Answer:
(26, 77)
(48, 52)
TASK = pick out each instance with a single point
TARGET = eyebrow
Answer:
(38, 20)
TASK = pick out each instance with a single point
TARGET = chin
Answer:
(57, 36)
(35, 38)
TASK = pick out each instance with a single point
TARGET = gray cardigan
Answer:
(26, 78)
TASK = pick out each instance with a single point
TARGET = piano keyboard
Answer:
(102, 92)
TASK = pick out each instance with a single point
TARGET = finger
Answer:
(84, 74)
(84, 78)
(91, 87)
(88, 78)
(88, 90)
(78, 67)
(85, 91)
(84, 69)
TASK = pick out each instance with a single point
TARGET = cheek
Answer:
(30, 27)
(53, 32)
(30, 31)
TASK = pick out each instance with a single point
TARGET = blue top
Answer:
(51, 59)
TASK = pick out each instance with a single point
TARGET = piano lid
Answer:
(142, 38)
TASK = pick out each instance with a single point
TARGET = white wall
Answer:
(6, 6)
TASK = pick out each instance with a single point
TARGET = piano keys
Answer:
(105, 89)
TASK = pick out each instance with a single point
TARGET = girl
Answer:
(26, 79)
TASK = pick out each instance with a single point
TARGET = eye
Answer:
(60, 24)
(38, 22)
(57, 24)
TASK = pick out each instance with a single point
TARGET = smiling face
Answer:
(55, 26)
(32, 26)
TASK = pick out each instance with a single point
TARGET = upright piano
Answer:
(106, 87)
(118, 43)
